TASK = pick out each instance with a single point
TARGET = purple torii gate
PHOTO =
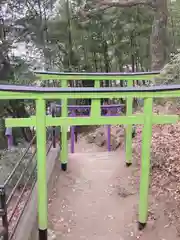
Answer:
(80, 108)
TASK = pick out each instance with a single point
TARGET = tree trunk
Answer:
(95, 61)
(106, 60)
(132, 52)
(159, 43)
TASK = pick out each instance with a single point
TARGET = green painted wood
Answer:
(129, 111)
(64, 128)
(97, 77)
(93, 95)
(41, 163)
(70, 121)
(96, 103)
(145, 160)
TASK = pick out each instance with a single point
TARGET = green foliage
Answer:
(22, 73)
(174, 25)
(115, 40)
(105, 42)
(170, 74)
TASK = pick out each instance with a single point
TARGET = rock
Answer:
(115, 143)
(51, 235)
(100, 139)
(91, 137)
(120, 132)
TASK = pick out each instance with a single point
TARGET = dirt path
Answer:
(95, 199)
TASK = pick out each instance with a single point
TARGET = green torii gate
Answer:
(41, 121)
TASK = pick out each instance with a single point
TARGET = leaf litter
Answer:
(165, 167)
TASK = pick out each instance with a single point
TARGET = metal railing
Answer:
(9, 220)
